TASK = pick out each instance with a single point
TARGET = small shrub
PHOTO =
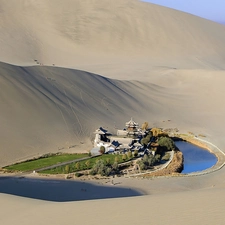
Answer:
(144, 141)
(149, 136)
(93, 172)
(78, 174)
(102, 150)
(129, 155)
(142, 165)
(77, 166)
(115, 166)
(106, 172)
(157, 158)
(124, 157)
(166, 157)
(135, 153)
(107, 162)
(116, 159)
(88, 163)
(145, 158)
(67, 168)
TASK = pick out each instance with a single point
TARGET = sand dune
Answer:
(68, 67)
(178, 207)
(82, 34)
(49, 109)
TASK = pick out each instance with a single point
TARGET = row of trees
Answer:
(106, 168)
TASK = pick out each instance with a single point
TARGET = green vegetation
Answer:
(124, 157)
(78, 174)
(105, 164)
(166, 156)
(43, 161)
(147, 162)
(166, 143)
(87, 164)
(102, 168)
(135, 153)
(129, 155)
(146, 140)
(157, 158)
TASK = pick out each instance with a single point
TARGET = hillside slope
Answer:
(49, 109)
(91, 34)
(46, 109)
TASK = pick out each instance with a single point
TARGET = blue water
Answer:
(195, 158)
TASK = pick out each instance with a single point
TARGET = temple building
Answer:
(125, 139)
(132, 127)
(101, 135)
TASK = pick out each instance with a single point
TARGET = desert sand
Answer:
(69, 67)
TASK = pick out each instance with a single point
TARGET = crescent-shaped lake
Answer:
(195, 158)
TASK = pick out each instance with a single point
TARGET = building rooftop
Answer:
(131, 123)
(101, 131)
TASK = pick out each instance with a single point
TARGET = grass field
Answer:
(44, 161)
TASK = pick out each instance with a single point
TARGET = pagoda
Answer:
(132, 127)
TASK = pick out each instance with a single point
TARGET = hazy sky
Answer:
(209, 9)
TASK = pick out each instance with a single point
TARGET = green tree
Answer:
(88, 163)
(146, 140)
(98, 167)
(101, 168)
(167, 143)
(147, 162)
(149, 135)
(129, 155)
(77, 166)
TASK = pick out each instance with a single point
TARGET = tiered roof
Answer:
(131, 123)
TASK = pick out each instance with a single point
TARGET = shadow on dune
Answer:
(61, 190)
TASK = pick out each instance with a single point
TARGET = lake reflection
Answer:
(195, 158)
